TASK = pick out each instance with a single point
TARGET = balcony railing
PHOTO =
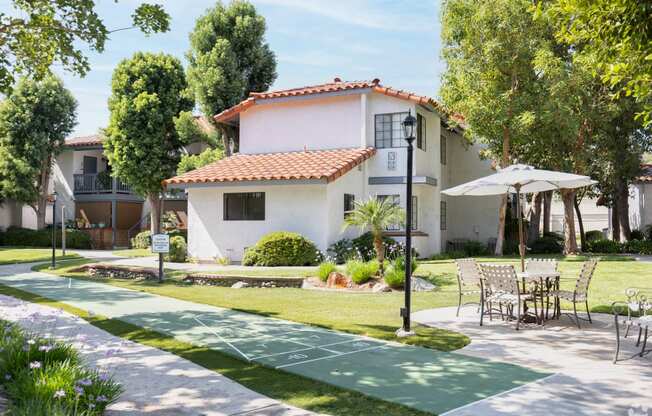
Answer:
(93, 183)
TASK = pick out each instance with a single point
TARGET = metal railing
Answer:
(93, 183)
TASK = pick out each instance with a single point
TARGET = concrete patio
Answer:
(585, 380)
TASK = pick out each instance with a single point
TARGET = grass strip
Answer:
(293, 389)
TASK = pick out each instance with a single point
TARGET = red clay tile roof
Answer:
(646, 174)
(93, 140)
(325, 165)
(336, 85)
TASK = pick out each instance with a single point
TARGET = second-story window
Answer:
(389, 130)
(421, 132)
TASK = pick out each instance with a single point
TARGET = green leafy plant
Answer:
(325, 269)
(474, 249)
(142, 240)
(395, 276)
(178, 250)
(593, 235)
(638, 247)
(24, 237)
(361, 271)
(282, 248)
(637, 235)
(341, 250)
(604, 246)
(547, 245)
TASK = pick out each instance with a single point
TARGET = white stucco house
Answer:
(306, 154)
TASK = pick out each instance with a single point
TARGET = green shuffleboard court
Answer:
(421, 378)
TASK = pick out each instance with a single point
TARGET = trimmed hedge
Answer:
(638, 247)
(593, 235)
(474, 249)
(604, 246)
(547, 245)
(43, 238)
(282, 248)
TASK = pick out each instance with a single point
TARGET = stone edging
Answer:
(203, 279)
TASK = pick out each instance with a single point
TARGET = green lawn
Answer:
(376, 315)
(12, 255)
(134, 252)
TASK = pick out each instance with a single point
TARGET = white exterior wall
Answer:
(297, 208)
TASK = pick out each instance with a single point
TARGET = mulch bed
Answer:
(250, 281)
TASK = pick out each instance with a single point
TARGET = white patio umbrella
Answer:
(518, 179)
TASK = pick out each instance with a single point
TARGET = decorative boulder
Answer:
(381, 287)
(337, 280)
(421, 285)
(239, 285)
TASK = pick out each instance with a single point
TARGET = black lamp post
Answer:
(54, 229)
(408, 130)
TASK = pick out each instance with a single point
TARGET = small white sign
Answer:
(160, 243)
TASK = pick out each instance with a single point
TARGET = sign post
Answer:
(160, 245)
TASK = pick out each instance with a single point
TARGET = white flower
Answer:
(35, 364)
(59, 393)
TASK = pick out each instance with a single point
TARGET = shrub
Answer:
(546, 245)
(395, 274)
(474, 249)
(325, 269)
(637, 235)
(638, 247)
(178, 250)
(648, 232)
(361, 271)
(282, 248)
(142, 240)
(43, 238)
(449, 255)
(35, 372)
(341, 250)
(593, 235)
(364, 245)
(604, 246)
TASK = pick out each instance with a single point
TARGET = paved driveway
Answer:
(585, 381)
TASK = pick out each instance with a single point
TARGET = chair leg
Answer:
(459, 305)
(587, 311)
(491, 308)
(629, 324)
(577, 318)
(518, 313)
(644, 342)
(481, 311)
(617, 338)
(640, 332)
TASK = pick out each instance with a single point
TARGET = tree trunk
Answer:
(535, 218)
(547, 212)
(578, 212)
(500, 237)
(380, 253)
(154, 213)
(570, 241)
(615, 223)
(622, 199)
(42, 201)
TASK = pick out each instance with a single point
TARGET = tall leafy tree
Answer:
(489, 48)
(148, 91)
(618, 34)
(41, 32)
(228, 59)
(34, 122)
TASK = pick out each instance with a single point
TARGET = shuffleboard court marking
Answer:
(502, 393)
(223, 340)
(329, 356)
(305, 349)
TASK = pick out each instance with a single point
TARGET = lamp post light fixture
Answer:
(54, 229)
(409, 124)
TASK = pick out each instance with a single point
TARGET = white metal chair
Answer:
(635, 312)
(581, 292)
(502, 288)
(469, 281)
(534, 266)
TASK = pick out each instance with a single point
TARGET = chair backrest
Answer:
(500, 278)
(468, 272)
(584, 280)
(541, 265)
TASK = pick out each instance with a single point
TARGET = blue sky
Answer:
(314, 41)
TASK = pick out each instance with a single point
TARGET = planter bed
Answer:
(251, 281)
(107, 271)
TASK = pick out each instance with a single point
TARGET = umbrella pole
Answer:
(521, 243)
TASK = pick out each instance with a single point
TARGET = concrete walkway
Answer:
(586, 382)
(155, 382)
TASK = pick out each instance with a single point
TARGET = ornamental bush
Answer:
(43, 238)
(637, 235)
(395, 274)
(282, 248)
(361, 271)
(325, 269)
(142, 240)
(474, 249)
(638, 247)
(604, 246)
(178, 250)
(547, 245)
(593, 235)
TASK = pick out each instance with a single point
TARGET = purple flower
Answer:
(35, 364)
(85, 382)
(101, 398)
(104, 377)
(59, 393)
(78, 390)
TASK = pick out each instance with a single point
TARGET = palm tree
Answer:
(376, 215)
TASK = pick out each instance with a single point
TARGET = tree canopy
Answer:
(42, 32)
(148, 91)
(228, 57)
(34, 122)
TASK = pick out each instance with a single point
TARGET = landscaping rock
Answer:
(240, 285)
(381, 287)
(337, 280)
(203, 279)
(421, 285)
